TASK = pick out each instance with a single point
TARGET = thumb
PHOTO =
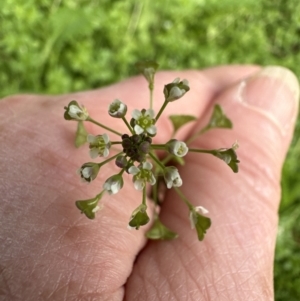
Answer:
(236, 257)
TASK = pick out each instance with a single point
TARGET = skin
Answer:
(49, 251)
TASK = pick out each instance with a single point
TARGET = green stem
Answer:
(103, 126)
(182, 196)
(99, 196)
(128, 125)
(122, 171)
(110, 159)
(115, 142)
(151, 88)
(157, 161)
(166, 159)
(158, 146)
(144, 196)
(161, 110)
(193, 137)
(206, 151)
(155, 192)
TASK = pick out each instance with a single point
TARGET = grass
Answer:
(64, 45)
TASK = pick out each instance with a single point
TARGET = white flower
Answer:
(172, 177)
(117, 109)
(176, 89)
(193, 215)
(141, 175)
(113, 184)
(177, 148)
(144, 121)
(75, 112)
(99, 145)
(88, 171)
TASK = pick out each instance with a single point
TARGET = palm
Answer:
(49, 251)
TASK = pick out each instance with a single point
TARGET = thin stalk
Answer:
(151, 88)
(103, 126)
(144, 196)
(161, 110)
(182, 196)
(193, 137)
(115, 142)
(99, 196)
(157, 161)
(158, 146)
(109, 159)
(128, 125)
(206, 151)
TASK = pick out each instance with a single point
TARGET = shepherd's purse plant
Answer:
(138, 157)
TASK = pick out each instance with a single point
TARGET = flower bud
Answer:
(172, 177)
(75, 112)
(113, 184)
(144, 147)
(176, 89)
(177, 148)
(88, 171)
(121, 161)
(117, 109)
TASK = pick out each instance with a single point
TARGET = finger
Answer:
(48, 249)
(235, 260)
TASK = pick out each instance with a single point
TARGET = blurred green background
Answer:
(58, 46)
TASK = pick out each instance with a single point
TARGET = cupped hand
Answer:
(49, 251)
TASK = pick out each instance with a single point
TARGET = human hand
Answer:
(48, 251)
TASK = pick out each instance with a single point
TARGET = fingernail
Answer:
(273, 91)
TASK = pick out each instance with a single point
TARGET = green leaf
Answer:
(218, 119)
(160, 231)
(202, 223)
(229, 156)
(139, 217)
(179, 120)
(81, 134)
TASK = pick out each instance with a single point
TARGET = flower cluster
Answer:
(138, 155)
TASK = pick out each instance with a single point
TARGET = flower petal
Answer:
(138, 130)
(105, 152)
(94, 153)
(91, 138)
(139, 184)
(136, 114)
(133, 170)
(147, 165)
(105, 138)
(150, 113)
(151, 130)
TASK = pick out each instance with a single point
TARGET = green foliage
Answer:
(218, 120)
(81, 134)
(62, 46)
(160, 231)
(179, 120)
